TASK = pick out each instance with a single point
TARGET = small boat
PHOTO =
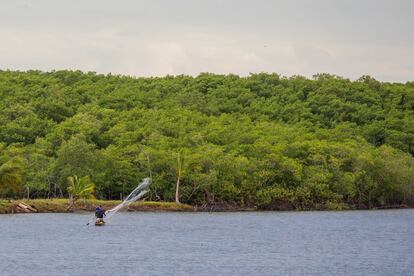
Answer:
(99, 222)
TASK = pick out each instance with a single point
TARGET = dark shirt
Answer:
(99, 212)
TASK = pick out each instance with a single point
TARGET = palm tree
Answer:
(80, 188)
(11, 174)
(179, 173)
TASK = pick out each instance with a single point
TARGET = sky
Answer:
(349, 38)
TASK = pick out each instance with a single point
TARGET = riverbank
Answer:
(60, 205)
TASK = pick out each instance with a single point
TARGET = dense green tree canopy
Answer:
(262, 140)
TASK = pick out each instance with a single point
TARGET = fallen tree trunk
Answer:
(23, 208)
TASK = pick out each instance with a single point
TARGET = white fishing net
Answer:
(135, 195)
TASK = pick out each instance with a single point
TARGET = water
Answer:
(271, 243)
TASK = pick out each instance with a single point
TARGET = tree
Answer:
(11, 175)
(179, 173)
(80, 188)
(75, 157)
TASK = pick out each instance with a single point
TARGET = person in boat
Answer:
(99, 213)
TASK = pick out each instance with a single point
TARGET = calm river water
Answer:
(267, 243)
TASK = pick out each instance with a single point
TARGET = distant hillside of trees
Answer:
(262, 141)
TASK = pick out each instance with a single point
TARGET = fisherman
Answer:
(99, 213)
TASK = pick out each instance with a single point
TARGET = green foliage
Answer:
(80, 188)
(11, 176)
(261, 141)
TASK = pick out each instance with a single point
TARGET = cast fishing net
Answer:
(135, 195)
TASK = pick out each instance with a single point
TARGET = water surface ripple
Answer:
(267, 243)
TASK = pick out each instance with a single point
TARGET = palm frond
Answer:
(81, 187)
(11, 173)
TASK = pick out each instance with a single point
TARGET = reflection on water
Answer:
(284, 243)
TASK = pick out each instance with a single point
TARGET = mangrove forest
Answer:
(262, 141)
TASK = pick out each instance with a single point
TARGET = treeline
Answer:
(259, 141)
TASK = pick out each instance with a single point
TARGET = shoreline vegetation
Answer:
(60, 205)
(222, 142)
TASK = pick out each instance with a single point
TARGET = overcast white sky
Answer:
(154, 38)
